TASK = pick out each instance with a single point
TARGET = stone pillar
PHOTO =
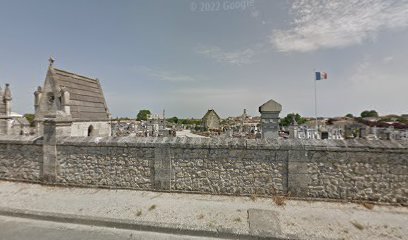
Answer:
(37, 97)
(7, 99)
(270, 119)
(39, 127)
(293, 132)
(48, 171)
(293, 128)
(162, 169)
(297, 173)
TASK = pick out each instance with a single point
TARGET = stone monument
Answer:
(270, 119)
(211, 120)
(293, 128)
(76, 103)
(11, 123)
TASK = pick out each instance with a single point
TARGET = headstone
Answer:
(293, 128)
(270, 119)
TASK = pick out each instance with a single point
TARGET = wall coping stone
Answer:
(235, 143)
(219, 143)
(18, 139)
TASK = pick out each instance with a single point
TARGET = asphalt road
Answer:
(12, 228)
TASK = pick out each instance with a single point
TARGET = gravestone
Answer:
(270, 119)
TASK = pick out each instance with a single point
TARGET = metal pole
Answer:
(315, 88)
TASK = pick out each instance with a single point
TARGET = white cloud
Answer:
(374, 80)
(240, 57)
(388, 59)
(327, 24)
(164, 75)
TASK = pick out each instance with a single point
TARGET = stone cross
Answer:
(51, 60)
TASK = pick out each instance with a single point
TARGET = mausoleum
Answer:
(76, 103)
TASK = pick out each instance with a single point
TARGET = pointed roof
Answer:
(270, 106)
(7, 92)
(86, 96)
(210, 111)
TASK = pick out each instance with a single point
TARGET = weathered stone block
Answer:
(298, 184)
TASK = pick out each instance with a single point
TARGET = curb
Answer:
(129, 224)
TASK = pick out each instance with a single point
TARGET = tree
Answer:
(142, 115)
(286, 121)
(190, 121)
(173, 120)
(367, 113)
(30, 118)
(349, 115)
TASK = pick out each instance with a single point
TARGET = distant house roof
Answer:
(14, 114)
(270, 106)
(86, 96)
(209, 112)
(371, 119)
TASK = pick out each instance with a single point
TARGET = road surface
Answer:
(12, 228)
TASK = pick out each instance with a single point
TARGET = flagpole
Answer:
(315, 89)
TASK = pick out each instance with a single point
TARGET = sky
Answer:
(188, 56)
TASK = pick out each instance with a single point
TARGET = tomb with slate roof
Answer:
(75, 102)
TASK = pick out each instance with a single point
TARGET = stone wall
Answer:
(20, 158)
(336, 169)
(228, 171)
(118, 166)
(359, 170)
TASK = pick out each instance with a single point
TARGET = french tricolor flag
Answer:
(321, 75)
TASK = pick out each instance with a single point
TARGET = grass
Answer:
(253, 197)
(152, 207)
(238, 219)
(279, 200)
(201, 216)
(358, 225)
(368, 205)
